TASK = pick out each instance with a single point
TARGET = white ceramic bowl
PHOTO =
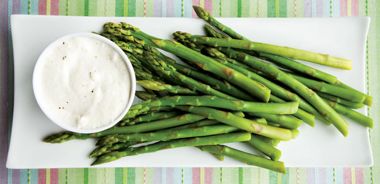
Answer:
(38, 69)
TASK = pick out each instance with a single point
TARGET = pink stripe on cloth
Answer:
(208, 175)
(169, 8)
(359, 176)
(169, 175)
(310, 176)
(16, 6)
(355, 7)
(42, 7)
(54, 10)
(347, 175)
(41, 176)
(321, 176)
(343, 7)
(196, 175)
(208, 6)
(15, 176)
(54, 176)
(195, 2)
(308, 8)
(320, 8)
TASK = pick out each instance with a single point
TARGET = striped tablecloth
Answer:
(182, 8)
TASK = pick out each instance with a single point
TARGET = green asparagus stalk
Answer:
(367, 100)
(197, 124)
(170, 72)
(301, 114)
(309, 95)
(196, 141)
(275, 89)
(267, 140)
(349, 104)
(214, 83)
(268, 149)
(144, 127)
(323, 59)
(254, 88)
(143, 95)
(159, 86)
(208, 122)
(206, 63)
(213, 101)
(213, 32)
(356, 116)
(245, 157)
(108, 148)
(210, 31)
(301, 68)
(211, 20)
(169, 134)
(261, 121)
(150, 117)
(289, 122)
(344, 93)
(241, 123)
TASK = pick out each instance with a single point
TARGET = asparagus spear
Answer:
(196, 141)
(323, 59)
(289, 122)
(197, 124)
(109, 147)
(150, 117)
(356, 116)
(168, 134)
(367, 100)
(273, 142)
(304, 105)
(301, 114)
(344, 93)
(276, 89)
(309, 95)
(211, 20)
(214, 83)
(239, 122)
(213, 101)
(169, 71)
(159, 86)
(144, 127)
(349, 104)
(143, 95)
(245, 157)
(299, 67)
(208, 64)
(264, 147)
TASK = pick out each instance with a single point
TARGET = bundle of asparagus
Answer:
(231, 90)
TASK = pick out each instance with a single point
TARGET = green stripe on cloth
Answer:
(131, 176)
(131, 8)
(86, 7)
(119, 8)
(75, 7)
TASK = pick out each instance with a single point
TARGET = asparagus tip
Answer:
(59, 137)
(200, 12)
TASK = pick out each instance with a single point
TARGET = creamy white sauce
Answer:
(85, 83)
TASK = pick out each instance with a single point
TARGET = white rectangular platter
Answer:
(319, 146)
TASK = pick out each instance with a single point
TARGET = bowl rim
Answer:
(38, 67)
